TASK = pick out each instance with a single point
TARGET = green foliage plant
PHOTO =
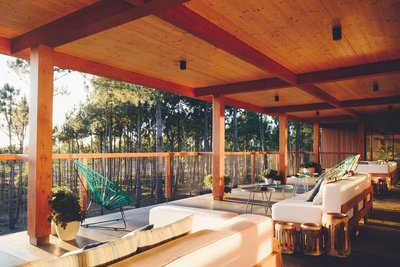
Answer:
(269, 174)
(227, 183)
(65, 206)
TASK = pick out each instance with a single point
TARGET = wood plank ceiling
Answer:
(251, 51)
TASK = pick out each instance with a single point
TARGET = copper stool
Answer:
(286, 235)
(311, 240)
(336, 234)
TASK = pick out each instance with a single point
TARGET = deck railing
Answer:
(150, 178)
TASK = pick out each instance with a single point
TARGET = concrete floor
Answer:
(376, 244)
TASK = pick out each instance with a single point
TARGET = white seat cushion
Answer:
(297, 210)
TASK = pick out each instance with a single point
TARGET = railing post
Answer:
(83, 185)
(253, 167)
(168, 177)
(296, 166)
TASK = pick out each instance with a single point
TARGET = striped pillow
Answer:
(161, 235)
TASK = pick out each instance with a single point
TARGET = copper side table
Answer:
(336, 234)
(311, 239)
(286, 235)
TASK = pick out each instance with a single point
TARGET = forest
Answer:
(118, 117)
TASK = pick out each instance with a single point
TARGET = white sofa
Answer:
(352, 195)
(216, 238)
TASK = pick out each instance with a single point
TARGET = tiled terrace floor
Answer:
(375, 245)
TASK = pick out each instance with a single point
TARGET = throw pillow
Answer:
(315, 190)
(161, 235)
(318, 198)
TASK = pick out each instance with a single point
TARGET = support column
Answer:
(316, 142)
(361, 140)
(218, 146)
(40, 144)
(283, 146)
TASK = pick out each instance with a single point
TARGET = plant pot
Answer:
(309, 170)
(268, 180)
(69, 232)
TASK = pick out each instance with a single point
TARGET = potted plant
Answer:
(227, 183)
(66, 212)
(268, 175)
(309, 167)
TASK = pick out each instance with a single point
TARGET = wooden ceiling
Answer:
(250, 51)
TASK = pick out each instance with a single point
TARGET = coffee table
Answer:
(266, 193)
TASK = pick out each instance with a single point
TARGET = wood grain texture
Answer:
(283, 147)
(92, 19)
(218, 146)
(40, 144)
(152, 47)
(297, 34)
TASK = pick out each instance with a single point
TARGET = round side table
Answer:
(285, 233)
(336, 234)
(311, 239)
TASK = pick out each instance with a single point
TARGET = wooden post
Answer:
(218, 146)
(168, 178)
(283, 146)
(253, 167)
(316, 142)
(83, 185)
(40, 144)
(361, 140)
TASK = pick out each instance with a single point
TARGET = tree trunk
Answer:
(159, 128)
(138, 182)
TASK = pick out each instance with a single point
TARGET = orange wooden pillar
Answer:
(283, 146)
(361, 140)
(40, 144)
(218, 146)
(316, 142)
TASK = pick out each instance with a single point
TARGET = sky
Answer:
(74, 83)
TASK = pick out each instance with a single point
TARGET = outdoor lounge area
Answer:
(274, 123)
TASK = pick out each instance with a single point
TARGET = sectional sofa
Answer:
(184, 236)
(351, 195)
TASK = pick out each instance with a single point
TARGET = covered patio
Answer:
(333, 65)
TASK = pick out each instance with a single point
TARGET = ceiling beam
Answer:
(87, 66)
(243, 105)
(371, 101)
(92, 19)
(298, 108)
(350, 72)
(191, 22)
(242, 87)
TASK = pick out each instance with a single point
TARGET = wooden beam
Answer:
(298, 108)
(321, 94)
(371, 101)
(242, 87)
(83, 65)
(283, 146)
(100, 16)
(320, 119)
(218, 146)
(244, 105)
(191, 22)
(40, 144)
(361, 139)
(350, 72)
(316, 142)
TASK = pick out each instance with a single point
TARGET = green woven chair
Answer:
(106, 193)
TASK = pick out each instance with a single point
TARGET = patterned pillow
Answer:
(161, 235)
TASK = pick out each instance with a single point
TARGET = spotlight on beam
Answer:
(317, 113)
(277, 98)
(337, 33)
(376, 87)
(182, 64)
